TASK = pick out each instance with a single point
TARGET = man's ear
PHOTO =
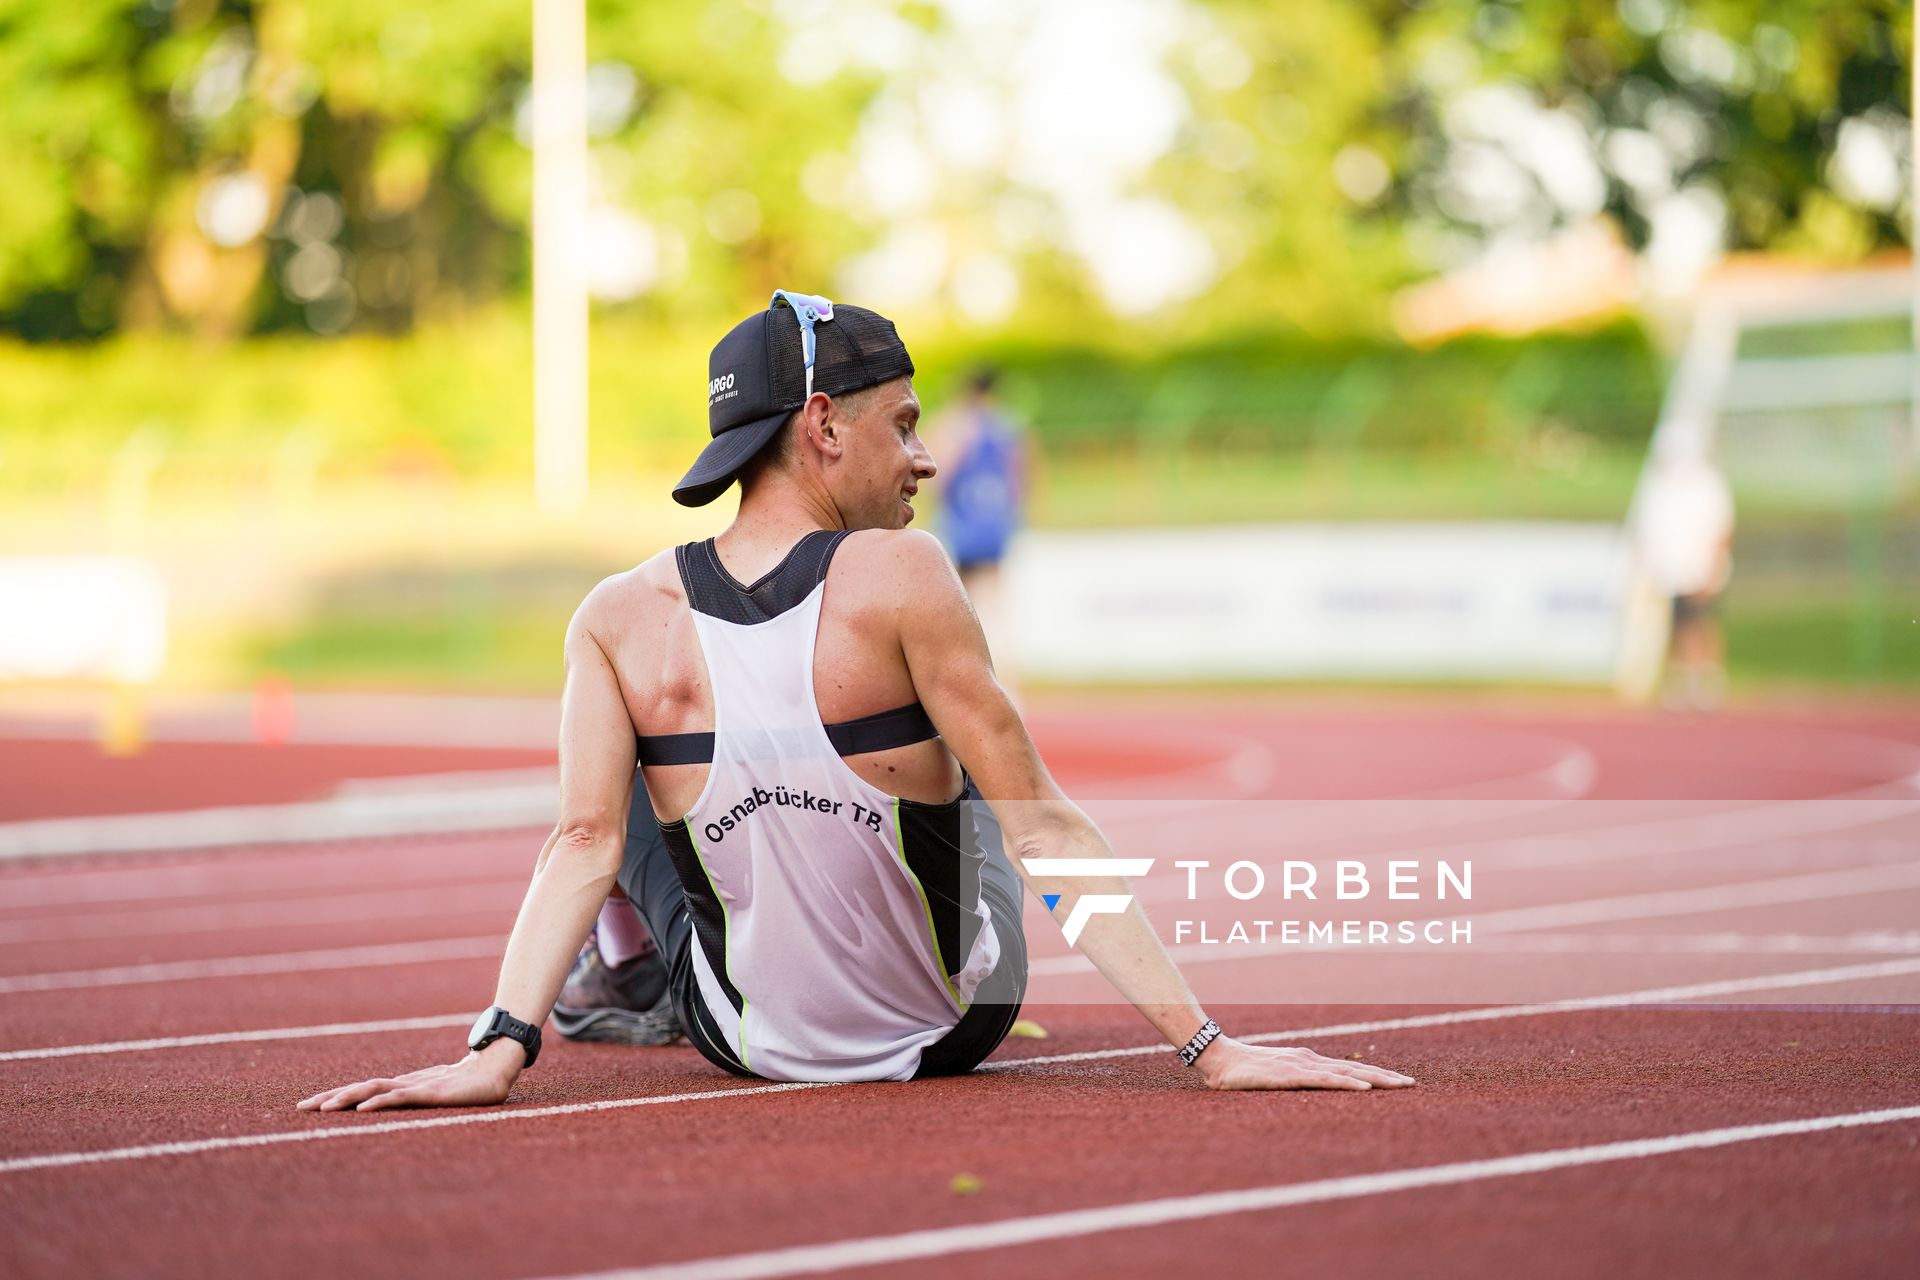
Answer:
(822, 424)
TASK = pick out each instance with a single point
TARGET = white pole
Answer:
(559, 281)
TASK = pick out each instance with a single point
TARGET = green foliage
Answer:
(120, 114)
(1283, 390)
(1743, 98)
(456, 399)
(1820, 641)
(1316, 153)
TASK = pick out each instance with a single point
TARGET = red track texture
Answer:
(117, 949)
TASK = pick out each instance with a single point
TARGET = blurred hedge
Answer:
(1289, 392)
(457, 399)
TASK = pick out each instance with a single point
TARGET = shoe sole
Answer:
(655, 1026)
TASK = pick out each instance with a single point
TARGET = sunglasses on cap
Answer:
(810, 309)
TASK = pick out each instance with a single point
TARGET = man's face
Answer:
(883, 460)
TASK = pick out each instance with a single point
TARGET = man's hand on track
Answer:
(1228, 1064)
(474, 1081)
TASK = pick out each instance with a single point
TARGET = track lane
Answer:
(1017, 1055)
(1069, 1135)
(854, 1161)
(1663, 1216)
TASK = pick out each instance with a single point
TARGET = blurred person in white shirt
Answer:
(1683, 536)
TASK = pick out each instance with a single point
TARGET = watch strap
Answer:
(505, 1026)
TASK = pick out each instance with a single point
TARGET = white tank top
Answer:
(839, 930)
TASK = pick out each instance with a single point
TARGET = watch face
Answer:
(481, 1025)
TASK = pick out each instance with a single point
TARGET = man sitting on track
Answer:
(816, 884)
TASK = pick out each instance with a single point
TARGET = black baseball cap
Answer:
(757, 377)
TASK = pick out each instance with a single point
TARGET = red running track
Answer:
(111, 950)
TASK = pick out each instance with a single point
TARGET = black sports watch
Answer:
(496, 1023)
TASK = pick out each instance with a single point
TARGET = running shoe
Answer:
(625, 1005)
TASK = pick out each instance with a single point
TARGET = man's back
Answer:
(642, 620)
(841, 926)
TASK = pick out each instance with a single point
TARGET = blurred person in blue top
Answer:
(983, 500)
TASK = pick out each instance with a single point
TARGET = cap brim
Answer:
(720, 462)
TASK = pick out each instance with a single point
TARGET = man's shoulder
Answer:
(896, 572)
(892, 557)
(622, 600)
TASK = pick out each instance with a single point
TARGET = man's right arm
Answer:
(576, 868)
(952, 673)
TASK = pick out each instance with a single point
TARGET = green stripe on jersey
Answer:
(726, 942)
(926, 909)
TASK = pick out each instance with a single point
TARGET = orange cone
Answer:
(273, 711)
(123, 730)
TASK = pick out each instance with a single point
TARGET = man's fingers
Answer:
(1380, 1076)
(352, 1095)
(1370, 1073)
(1383, 1078)
(446, 1085)
(320, 1099)
(438, 1086)
(391, 1098)
(1336, 1080)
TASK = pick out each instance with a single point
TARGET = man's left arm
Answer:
(571, 880)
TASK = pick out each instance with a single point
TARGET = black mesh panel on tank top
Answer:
(713, 591)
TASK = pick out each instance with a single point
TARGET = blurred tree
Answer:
(229, 166)
(77, 158)
(233, 166)
(158, 142)
(1287, 101)
(1738, 124)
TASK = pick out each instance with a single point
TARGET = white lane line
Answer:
(466, 801)
(1812, 977)
(1706, 899)
(1699, 829)
(348, 817)
(870, 1251)
(323, 719)
(1499, 1013)
(267, 874)
(294, 908)
(1815, 977)
(240, 1037)
(1638, 906)
(1868, 942)
(1242, 761)
(1719, 897)
(67, 1159)
(1391, 829)
(486, 946)
(1568, 777)
(1657, 995)
(458, 780)
(1703, 831)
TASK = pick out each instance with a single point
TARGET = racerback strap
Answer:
(715, 592)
